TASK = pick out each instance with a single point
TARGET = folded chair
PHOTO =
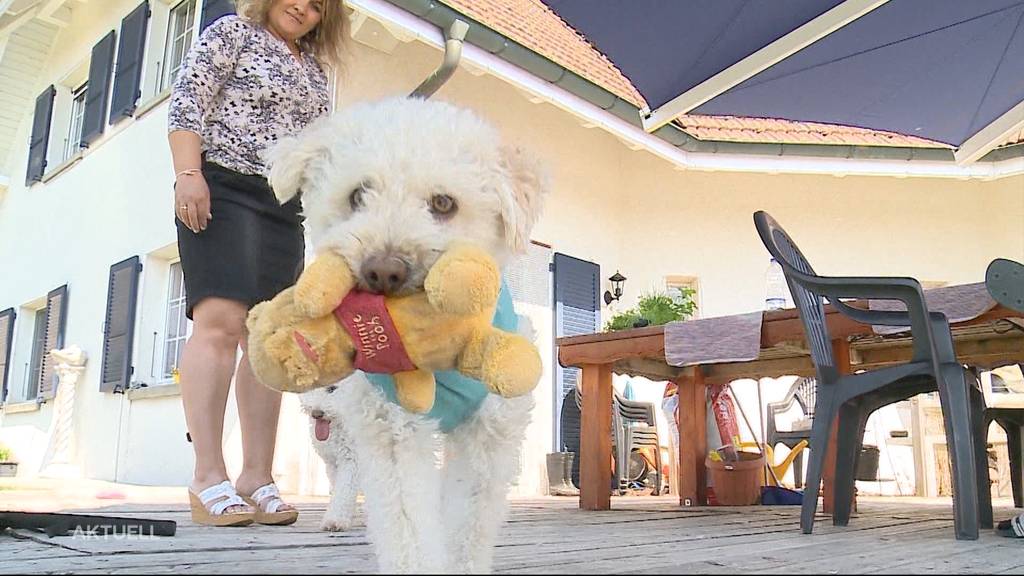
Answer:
(853, 397)
(635, 426)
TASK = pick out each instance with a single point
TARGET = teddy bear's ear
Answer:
(521, 199)
(290, 161)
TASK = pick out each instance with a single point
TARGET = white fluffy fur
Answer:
(405, 151)
(434, 502)
(337, 456)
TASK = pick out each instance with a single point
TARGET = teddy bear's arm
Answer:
(323, 285)
(415, 390)
(464, 280)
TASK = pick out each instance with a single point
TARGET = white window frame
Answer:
(19, 378)
(174, 275)
(673, 282)
(67, 88)
(74, 138)
(155, 85)
(167, 68)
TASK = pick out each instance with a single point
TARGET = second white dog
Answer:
(332, 445)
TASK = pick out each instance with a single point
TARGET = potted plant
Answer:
(7, 467)
(654, 309)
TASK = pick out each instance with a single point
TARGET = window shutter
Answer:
(56, 318)
(214, 9)
(98, 89)
(128, 75)
(577, 311)
(40, 136)
(119, 326)
(6, 336)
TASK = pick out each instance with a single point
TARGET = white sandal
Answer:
(208, 507)
(267, 502)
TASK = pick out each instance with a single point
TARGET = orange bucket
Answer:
(737, 483)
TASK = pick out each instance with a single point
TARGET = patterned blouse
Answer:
(241, 89)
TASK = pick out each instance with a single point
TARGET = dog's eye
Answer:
(331, 389)
(443, 205)
(356, 199)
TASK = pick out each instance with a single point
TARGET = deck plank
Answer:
(554, 536)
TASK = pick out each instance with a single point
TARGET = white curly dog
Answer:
(390, 185)
(330, 440)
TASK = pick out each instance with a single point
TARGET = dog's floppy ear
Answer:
(523, 196)
(289, 161)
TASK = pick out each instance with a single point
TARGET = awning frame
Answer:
(768, 56)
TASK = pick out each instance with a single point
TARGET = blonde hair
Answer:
(328, 42)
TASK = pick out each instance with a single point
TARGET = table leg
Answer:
(841, 352)
(596, 438)
(692, 423)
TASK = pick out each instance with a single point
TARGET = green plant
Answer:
(655, 308)
(5, 454)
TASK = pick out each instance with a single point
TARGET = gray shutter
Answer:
(577, 311)
(6, 337)
(56, 318)
(214, 9)
(128, 75)
(119, 325)
(40, 136)
(98, 89)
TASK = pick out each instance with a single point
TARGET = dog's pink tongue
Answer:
(322, 430)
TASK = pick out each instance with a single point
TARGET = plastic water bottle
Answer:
(777, 291)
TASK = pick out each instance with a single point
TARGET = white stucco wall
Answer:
(623, 209)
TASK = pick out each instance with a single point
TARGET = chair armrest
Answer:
(776, 408)
(906, 290)
(879, 317)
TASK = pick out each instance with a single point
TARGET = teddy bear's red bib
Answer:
(377, 344)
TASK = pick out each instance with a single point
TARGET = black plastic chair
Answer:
(853, 397)
(1004, 280)
(1011, 420)
(802, 393)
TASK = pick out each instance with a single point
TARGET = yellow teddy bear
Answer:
(320, 330)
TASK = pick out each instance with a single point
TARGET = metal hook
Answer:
(452, 54)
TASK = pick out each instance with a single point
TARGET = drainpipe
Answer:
(452, 55)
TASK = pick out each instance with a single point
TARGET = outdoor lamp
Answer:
(617, 280)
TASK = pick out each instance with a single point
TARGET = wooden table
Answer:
(988, 340)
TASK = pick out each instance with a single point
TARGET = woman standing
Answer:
(249, 80)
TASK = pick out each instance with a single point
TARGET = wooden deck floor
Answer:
(648, 535)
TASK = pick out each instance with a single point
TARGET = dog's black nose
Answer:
(385, 274)
(317, 414)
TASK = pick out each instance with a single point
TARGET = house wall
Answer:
(623, 209)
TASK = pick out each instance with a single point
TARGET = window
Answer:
(679, 287)
(73, 142)
(31, 389)
(178, 326)
(180, 26)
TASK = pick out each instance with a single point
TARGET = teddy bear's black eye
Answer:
(443, 206)
(331, 389)
(357, 199)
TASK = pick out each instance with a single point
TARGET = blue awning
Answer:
(946, 70)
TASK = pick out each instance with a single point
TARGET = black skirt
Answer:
(252, 248)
